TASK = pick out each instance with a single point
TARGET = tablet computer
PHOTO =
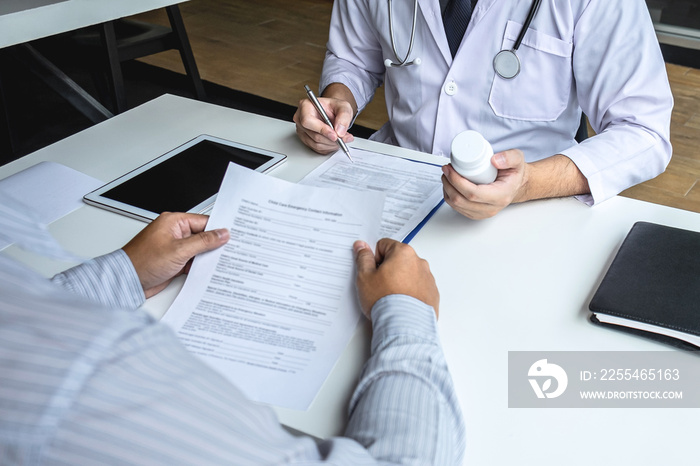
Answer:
(185, 179)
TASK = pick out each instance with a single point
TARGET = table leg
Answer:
(61, 83)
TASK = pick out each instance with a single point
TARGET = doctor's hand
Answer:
(486, 200)
(165, 248)
(394, 269)
(313, 130)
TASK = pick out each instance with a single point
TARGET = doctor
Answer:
(594, 56)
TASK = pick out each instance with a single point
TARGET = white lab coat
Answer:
(601, 56)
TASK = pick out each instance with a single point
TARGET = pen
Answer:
(324, 115)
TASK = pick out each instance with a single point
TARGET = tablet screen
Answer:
(184, 180)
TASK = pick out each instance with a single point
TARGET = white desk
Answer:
(43, 21)
(519, 281)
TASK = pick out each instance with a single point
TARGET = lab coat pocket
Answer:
(540, 92)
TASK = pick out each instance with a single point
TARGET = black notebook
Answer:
(653, 286)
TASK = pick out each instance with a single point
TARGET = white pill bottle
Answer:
(471, 157)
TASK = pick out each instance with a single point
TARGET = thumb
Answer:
(507, 159)
(343, 118)
(204, 241)
(364, 258)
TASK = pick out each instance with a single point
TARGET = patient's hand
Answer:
(394, 269)
(165, 248)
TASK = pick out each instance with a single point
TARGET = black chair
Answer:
(109, 44)
(26, 58)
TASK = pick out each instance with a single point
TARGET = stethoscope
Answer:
(506, 62)
(399, 62)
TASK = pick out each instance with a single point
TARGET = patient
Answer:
(88, 378)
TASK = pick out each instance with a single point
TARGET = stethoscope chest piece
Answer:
(507, 64)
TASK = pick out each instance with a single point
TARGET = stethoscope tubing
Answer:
(399, 61)
(404, 62)
(530, 16)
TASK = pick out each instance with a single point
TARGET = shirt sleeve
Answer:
(88, 386)
(354, 55)
(109, 280)
(404, 409)
(623, 89)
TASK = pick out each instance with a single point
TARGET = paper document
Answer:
(274, 308)
(47, 191)
(413, 189)
(20, 225)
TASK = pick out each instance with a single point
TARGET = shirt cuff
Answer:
(402, 315)
(110, 280)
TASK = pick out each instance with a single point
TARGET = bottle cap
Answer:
(469, 149)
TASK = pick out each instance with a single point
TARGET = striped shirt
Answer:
(86, 378)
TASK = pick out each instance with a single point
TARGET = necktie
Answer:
(456, 18)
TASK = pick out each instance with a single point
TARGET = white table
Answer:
(34, 23)
(519, 281)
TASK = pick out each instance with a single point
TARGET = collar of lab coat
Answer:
(430, 9)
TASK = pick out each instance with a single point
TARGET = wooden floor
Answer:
(271, 48)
